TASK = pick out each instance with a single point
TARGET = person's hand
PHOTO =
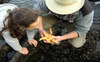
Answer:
(24, 51)
(57, 38)
(33, 42)
(41, 33)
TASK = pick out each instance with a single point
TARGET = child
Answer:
(15, 21)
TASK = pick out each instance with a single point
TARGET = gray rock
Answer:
(4, 1)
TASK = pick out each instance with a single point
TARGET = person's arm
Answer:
(30, 35)
(70, 35)
(14, 43)
(82, 25)
(41, 30)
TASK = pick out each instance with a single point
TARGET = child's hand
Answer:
(57, 38)
(41, 33)
(24, 51)
(34, 42)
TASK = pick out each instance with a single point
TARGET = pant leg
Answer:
(78, 42)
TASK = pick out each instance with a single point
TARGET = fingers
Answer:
(55, 37)
(24, 51)
(45, 41)
(33, 42)
(30, 42)
(42, 35)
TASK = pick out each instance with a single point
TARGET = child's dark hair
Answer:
(18, 20)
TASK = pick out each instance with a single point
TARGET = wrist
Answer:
(19, 49)
(63, 38)
(41, 30)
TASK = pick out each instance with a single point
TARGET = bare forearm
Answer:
(70, 35)
(40, 24)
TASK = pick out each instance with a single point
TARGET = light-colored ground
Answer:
(48, 22)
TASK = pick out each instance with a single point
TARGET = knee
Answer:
(77, 46)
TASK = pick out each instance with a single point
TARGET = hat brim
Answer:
(64, 9)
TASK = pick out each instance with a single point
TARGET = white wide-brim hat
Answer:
(64, 6)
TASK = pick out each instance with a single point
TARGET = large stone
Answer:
(6, 52)
(4, 1)
(94, 0)
(63, 52)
